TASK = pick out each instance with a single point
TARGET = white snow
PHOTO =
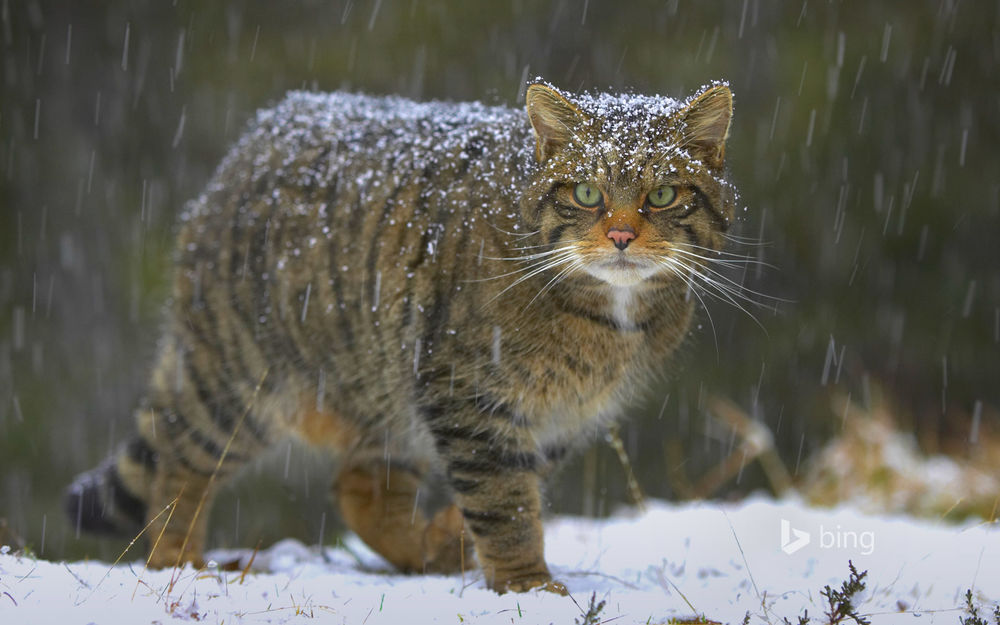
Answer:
(722, 559)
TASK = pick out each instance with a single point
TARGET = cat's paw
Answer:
(444, 549)
(553, 586)
(531, 582)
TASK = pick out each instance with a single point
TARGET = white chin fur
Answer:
(619, 275)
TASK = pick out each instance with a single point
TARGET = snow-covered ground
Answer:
(719, 560)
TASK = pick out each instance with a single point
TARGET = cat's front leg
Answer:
(497, 487)
(503, 514)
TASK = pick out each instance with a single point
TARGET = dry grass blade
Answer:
(666, 581)
(253, 556)
(170, 507)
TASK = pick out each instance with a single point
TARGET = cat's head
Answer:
(628, 187)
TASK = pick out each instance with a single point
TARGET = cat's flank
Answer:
(456, 289)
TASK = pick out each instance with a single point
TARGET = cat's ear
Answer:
(705, 124)
(553, 118)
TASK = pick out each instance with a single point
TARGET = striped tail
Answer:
(111, 499)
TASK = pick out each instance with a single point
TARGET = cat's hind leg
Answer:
(201, 424)
(379, 501)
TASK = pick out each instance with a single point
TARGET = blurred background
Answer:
(864, 144)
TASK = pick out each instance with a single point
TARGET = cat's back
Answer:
(350, 168)
(322, 140)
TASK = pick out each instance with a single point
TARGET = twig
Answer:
(758, 443)
(615, 441)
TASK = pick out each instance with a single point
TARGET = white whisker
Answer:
(735, 287)
(678, 269)
(518, 235)
(531, 247)
(719, 290)
(541, 267)
(733, 262)
(747, 241)
(526, 257)
(719, 252)
(557, 254)
(555, 280)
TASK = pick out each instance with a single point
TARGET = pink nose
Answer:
(621, 237)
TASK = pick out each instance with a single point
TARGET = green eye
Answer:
(587, 195)
(662, 197)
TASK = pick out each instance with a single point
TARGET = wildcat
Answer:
(424, 288)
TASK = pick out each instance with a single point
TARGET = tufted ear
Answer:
(553, 118)
(705, 124)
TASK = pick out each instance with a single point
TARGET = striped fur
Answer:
(374, 275)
